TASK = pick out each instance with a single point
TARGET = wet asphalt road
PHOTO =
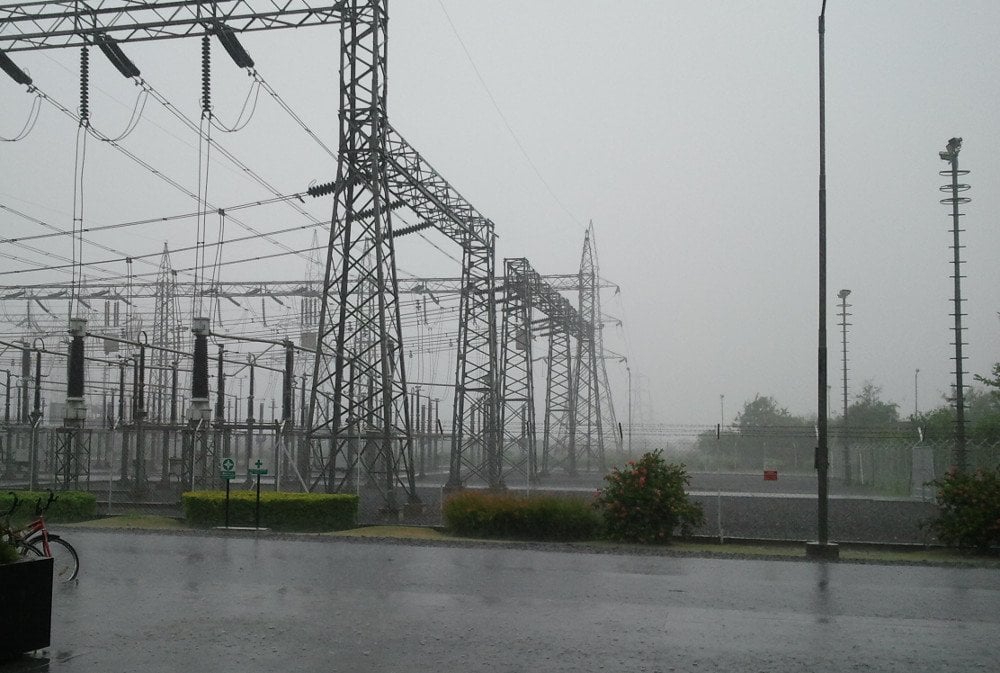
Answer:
(158, 602)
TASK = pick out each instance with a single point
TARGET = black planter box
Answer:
(25, 606)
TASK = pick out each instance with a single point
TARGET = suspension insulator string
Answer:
(84, 86)
(204, 148)
(80, 161)
(206, 76)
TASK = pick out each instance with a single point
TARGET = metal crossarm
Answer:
(27, 26)
(263, 288)
(431, 196)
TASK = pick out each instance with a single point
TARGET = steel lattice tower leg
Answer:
(558, 405)
(359, 363)
(517, 452)
(474, 425)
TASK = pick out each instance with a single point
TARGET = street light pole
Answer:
(916, 406)
(821, 548)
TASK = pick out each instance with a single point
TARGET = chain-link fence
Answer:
(145, 467)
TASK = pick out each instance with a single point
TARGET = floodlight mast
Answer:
(955, 200)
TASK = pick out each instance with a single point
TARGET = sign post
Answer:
(258, 470)
(227, 473)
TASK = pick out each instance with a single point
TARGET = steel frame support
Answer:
(27, 26)
(359, 364)
(72, 455)
(517, 449)
(475, 433)
(556, 446)
(304, 289)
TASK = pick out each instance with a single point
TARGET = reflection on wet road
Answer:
(151, 603)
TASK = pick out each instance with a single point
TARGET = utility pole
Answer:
(954, 188)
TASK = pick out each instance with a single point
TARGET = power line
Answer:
(503, 118)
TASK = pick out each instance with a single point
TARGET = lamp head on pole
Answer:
(951, 151)
(843, 294)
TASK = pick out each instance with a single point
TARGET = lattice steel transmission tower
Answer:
(527, 293)
(360, 364)
(477, 394)
(166, 334)
(594, 427)
(517, 452)
(556, 434)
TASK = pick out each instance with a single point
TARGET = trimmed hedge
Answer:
(501, 515)
(278, 511)
(69, 506)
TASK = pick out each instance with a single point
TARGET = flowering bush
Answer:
(968, 509)
(645, 500)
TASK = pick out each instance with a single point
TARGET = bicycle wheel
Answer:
(28, 549)
(65, 560)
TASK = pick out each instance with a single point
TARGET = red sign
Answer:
(770, 475)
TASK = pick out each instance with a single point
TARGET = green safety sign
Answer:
(228, 470)
(258, 470)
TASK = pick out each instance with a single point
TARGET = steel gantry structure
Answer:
(358, 417)
(525, 292)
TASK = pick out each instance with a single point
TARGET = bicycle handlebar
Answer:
(39, 510)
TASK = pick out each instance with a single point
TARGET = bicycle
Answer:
(34, 538)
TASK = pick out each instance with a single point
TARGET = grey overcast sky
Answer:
(687, 131)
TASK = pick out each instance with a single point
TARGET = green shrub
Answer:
(502, 515)
(278, 511)
(645, 500)
(69, 506)
(968, 510)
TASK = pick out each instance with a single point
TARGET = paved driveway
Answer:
(190, 603)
